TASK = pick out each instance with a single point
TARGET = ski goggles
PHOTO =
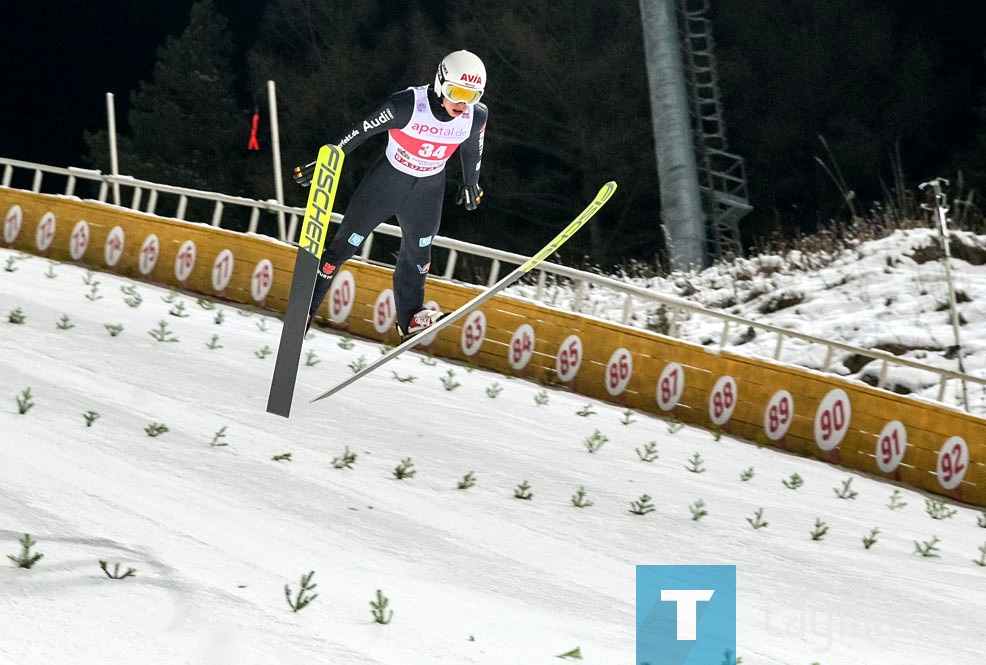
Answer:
(457, 93)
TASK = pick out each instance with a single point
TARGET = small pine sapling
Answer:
(467, 481)
(821, 528)
(757, 521)
(17, 316)
(346, 461)
(115, 574)
(541, 397)
(938, 509)
(405, 469)
(698, 510)
(311, 359)
(896, 503)
(213, 343)
(981, 520)
(357, 365)
(845, 492)
(649, 454)
(428, 361)
(26, 558)
(586, 411)
(449, 382)
(794, 482)
(695, 463)
(25, 401)
(928, 548)
(262, 325)
(283, 457)
(575, 654)
(346, 343)
(747, 474)
(114, 329)
(217, 438)
(981, 561)
(132, 299)
(869, 540)
(494, 390)
(595, 442)
(579, 499)
(304, 595)
(642, 506)
(627, 418)
(90, 417)
(264, 352)
(93, 294)
(523, 491)
(156, 429)
(64, 323)
(178, 310)
(206, 304)
(379, 609)
(11, 265)
(674, 425)
(219, 317)
(162, 334)
(50, 274)
(410, 378)
(716, 432)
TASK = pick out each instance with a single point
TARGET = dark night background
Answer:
(59, 59)
(876, 78)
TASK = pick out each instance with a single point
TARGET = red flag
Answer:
(254, 144)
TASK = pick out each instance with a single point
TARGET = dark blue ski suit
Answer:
(406, 182)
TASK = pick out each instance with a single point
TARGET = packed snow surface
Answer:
(227, 506)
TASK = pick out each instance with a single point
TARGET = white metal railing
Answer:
(577, 287)
(111, 186)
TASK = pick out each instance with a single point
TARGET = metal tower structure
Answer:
(721, 174)
(681, 216)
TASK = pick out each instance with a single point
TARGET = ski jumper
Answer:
(406, 182)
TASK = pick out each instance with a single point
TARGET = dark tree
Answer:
(332, 62)
(849, 72)
(835, 105)
(971, 170)
(568, 111)
(567, 106)
(185, 125)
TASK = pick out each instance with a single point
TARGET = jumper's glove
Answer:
(303, 174)
(469, 196)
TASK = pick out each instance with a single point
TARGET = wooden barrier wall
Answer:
(925, 445)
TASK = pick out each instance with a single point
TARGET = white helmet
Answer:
(461, 77)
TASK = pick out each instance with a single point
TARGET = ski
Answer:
(601, 198)
(315, 226)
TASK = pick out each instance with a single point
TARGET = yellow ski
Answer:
(601, 198)
(314, 229)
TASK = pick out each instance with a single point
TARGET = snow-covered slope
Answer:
(889, 294)
(215, 527)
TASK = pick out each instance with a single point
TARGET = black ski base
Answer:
(292, 334)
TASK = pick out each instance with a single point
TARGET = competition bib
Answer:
(423, 146)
